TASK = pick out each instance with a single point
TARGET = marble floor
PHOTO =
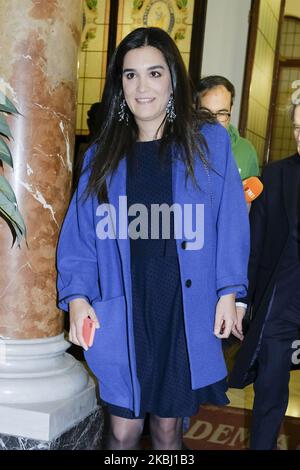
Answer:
(244, 398)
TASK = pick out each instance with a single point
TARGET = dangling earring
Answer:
(123, 115)
(170, 109)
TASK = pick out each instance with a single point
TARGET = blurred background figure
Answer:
(216, 94)
(266, 353)
(95, 119)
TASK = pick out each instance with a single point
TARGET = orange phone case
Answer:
(88, 331)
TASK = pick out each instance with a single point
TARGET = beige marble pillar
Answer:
(38, 71)
(45, 394)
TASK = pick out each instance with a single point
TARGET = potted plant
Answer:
(8, 204)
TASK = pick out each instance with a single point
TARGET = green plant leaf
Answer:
(20, 232)
(181, 4)
(137, 4)
(8, 203)
(5, 154)
(92, 4)
(7, 190)
(11, 213)
(4, 129)
(6, 105)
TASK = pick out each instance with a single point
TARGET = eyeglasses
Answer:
(221, 116)
(296, 129)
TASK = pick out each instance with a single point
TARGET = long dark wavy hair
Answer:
(115, 139)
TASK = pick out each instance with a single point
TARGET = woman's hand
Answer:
(237, 329)
(79, 310)
(225, 316)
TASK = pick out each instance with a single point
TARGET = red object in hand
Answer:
(252, 187)
(88, 331)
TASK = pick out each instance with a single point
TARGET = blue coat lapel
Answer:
(116, 185)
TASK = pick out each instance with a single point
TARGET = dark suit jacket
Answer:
(271, 217)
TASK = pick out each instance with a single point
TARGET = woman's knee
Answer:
(166, 426)
(124, 430)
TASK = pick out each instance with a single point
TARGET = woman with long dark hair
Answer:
(154, 247)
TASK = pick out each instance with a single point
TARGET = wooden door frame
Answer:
(250, 53)
(251, 45)
(197, 40)
(276, 70)
(112, 29)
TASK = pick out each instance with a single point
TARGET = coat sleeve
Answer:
(77, 266)
(257, 231)
(232, 233)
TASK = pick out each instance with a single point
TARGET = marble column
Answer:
(38, 71)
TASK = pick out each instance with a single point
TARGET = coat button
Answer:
(183, 245)
(188, 283)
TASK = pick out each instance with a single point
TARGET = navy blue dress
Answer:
(161, 349)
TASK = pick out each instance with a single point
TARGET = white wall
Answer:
(225, 42)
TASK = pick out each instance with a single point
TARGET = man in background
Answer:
(216, 94)
(266, 353)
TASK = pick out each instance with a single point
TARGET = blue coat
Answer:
(99, 270)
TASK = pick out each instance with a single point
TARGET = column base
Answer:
(44, 394)
(45, 421)
(85, 435)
